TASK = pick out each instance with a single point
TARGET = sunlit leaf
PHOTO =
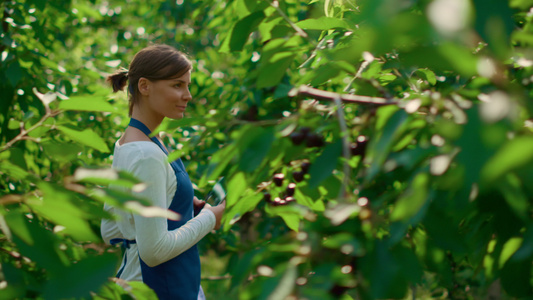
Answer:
(86, 137)
(323, 23)
(64, 152)
(413, 200)
(509, 157)
(86, 103)
(152, 211)
(241, 30)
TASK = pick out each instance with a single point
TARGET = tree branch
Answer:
(24, 132)
(304, 90)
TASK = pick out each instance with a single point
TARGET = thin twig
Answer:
(314, 53)
(213, 278)
(298, 30)
(363, 66)
(345, 146)
(304, 90)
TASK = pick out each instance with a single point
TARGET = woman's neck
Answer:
(151, 121)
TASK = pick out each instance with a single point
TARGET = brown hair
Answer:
(156, 62)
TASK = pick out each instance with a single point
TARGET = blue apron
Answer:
(178, 278)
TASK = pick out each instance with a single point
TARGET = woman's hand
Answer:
(218, 211)
(198, 205)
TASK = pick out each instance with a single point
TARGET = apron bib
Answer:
(178, 278)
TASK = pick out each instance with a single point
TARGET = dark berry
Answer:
(278, 179)
(290, 189)
(338, 290)
(289, 199)
(354, 149)
(305, 166)
(267, 197)
(305, 131)
(298, 176)
(251, 114)
(277, 201)
(297, 138)
(359, 147)
(314, 140)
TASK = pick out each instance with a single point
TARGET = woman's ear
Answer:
(144, 86)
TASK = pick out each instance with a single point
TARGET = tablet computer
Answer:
(217, 193)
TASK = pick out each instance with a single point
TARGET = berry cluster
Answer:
(287, 196)
(304, 134)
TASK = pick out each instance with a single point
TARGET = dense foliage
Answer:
(371, 149)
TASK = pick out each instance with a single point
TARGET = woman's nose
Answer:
(187, 96)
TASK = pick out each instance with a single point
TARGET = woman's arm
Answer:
(109, 228)
(156, 244)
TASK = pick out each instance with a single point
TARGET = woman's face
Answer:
(169, 97)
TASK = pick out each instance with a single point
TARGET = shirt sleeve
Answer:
(109, 228)
(155, 242)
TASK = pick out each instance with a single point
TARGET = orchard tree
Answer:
(370, 149)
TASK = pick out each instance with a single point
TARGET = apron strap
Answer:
(140, 125)
(125, 243)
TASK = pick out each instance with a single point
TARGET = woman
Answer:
(160, 252)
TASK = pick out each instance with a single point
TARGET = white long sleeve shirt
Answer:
(155, 244)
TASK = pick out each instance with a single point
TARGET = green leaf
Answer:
(494, 23)
(383, 272)
(324, 165)
(272, 72)
(427, 75)
(286, 284)
(79, 279)
(442, 57)
(57, 207)
(290, 214)
(413, 199)
(256, 149)
(512, 155)
(276, 57)
(106, 177)
(15, 73)
(526, 248)
(247, 201)
(514, 195)
(86, 103)
(86, 137)
(509, 248)
(339, 240)
(241, 31)
(13, 170)
(236, 187)
(516, 278)
(522, 4)
(323, 23)
(63, 152)
(218, 163)
(141, 291)
(266, 27)
(35, 242)
(389, 126)
(321, 74)
(171, 125)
